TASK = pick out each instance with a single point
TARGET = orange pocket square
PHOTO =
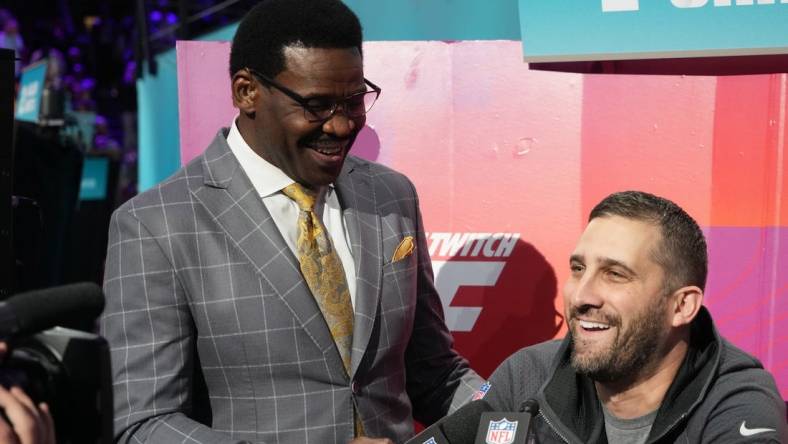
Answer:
(404, 249)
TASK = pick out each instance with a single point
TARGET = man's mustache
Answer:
(594, 314)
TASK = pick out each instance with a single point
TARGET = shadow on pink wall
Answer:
(367, 144)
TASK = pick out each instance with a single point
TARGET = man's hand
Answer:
(26, 423)
(21, 421)
(365, 440)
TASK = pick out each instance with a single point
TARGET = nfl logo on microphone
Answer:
(501, 432)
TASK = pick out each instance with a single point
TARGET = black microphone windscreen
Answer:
(460, 427)
(530, 406)
(71, 304)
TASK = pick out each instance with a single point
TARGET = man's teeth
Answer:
(328, 150)
(588, 325)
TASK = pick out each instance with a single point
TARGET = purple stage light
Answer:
(88, 83)
(129, 74)
(155, 16)
(172, 18)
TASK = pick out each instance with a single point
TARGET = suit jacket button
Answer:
(354, 387)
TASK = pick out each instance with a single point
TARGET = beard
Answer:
(630, 352)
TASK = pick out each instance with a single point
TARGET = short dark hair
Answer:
(682, 252)
(271, 25)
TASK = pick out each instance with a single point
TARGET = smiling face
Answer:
(309, 153)
(615, 299)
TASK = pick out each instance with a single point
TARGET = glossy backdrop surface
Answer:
(508, 162)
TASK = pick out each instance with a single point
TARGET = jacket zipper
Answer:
(667, 430)
(552, 427)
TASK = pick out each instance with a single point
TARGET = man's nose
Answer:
(340, 125)
(586, 292)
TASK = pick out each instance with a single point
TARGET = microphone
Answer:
(508, 427)
(457, 428)
(33, 311)
(530, 406)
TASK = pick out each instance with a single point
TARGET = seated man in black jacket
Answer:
(642, 361)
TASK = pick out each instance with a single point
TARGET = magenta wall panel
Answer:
(748, 162)
(204, 100)
(508, 162)
(653, 133)
(748, 291)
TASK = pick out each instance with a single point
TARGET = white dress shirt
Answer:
(268, 180)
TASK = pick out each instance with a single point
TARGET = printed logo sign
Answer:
(562, 31)
(31, 87)
(501, 432)
(620, 5)
(493, 285)
(470, 264)
(634, 5)
(479, 394)
(93, 185)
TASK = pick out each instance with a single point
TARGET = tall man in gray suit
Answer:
(274, 289)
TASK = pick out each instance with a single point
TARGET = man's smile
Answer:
(593, 326)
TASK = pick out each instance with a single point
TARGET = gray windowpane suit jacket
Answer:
(202, 289)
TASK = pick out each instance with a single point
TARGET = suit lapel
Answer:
(357, 196)
(234, 205)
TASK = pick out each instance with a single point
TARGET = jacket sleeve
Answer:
(439, 380)
(521, 376)
(750, 411)
(148, 325)
(502, 390)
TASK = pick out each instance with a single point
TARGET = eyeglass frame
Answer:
(303, 101)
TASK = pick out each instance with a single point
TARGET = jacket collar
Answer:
(694, 378)
(355, 187)
(570, 404)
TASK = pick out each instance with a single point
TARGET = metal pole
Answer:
(144, 42)
(8, 267)
(182, 33)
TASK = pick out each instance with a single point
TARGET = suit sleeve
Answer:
(148, 325)
(752, 411)
(439, 380)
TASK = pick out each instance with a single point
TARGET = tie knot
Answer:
(304, 198)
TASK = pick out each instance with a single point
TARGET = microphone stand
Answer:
(530, 406)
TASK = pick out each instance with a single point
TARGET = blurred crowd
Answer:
(91, 66)
(94, 51)
(90, 46)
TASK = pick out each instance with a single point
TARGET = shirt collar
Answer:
(266, 178)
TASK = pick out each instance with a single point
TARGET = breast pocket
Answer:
(398, 299)
(401, 268)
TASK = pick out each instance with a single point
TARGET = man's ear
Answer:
(685, 304)
(245, 92)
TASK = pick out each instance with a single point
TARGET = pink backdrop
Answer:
(508, 163)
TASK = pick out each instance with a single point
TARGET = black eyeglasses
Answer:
(322, 109)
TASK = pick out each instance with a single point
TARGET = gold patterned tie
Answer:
(323, 272)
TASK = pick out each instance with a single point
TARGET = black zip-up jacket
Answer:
(720, 394)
